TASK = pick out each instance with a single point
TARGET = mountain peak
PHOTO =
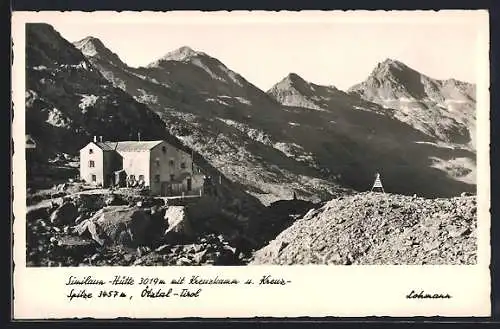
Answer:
(183, 53)
(389, 65)
(93, 47)
(392, 79)
(90, 46)
(91, 39)
(391, 61)
(293, 79)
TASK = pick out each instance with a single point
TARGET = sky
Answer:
(327, 48)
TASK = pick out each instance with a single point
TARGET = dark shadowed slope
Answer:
(68, 100)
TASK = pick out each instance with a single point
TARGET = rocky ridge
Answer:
(265, 141)
(379, 229)
(443, 109)
(230, 122)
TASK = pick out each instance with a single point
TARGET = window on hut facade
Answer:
(157, 162)
(157, 178)
(172, 177)
(183, 165)
(164, 149)
(141, 177)
(172, 163)
(91, 164)
(91, 151)
(94, 178)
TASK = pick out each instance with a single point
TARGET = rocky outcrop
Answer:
(178, 222)
(131, 235)
(379, 229)
(117, 225)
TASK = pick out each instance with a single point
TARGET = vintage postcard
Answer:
(243, 164)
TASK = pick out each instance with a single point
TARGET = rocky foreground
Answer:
(118, 229)
(74, 226)
(379, 229)
(92, 228)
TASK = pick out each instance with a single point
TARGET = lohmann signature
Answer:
(423, 295)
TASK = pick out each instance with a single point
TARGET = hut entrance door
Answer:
(165, 189)
(176, 189)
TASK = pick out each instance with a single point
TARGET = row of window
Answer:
(172, 163)
(163, 149)
(141, 178)
(157, 179)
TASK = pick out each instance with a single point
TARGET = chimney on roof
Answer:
(139, 136)
(95, 139)
(100, 139)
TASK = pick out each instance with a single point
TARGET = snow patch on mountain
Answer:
(459, 168)
(87, 101)
(56, 118)
(217, 100)
(146, 98)
(40, 68)
(221, 99)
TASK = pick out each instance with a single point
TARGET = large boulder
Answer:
(117, 225)
(178, 222)
(75, 246)
(91, 202)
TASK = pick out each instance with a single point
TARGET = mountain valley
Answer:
(294, 163)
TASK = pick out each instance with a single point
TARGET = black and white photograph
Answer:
(251, 164)
(151, 144)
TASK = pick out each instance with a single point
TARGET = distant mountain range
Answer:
(298, 137)
(444, 109)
